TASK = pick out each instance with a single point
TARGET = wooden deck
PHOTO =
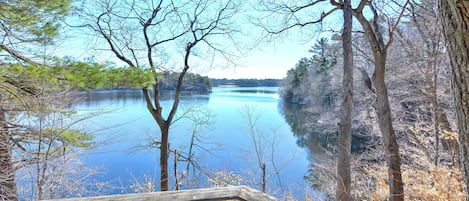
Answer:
(235, 193)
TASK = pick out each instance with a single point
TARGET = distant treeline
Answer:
(246, 82)
(193, 83)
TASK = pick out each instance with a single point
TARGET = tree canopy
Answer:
(24, 24)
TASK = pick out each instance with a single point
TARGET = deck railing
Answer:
(240, 193)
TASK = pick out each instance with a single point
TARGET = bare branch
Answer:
(107, 37)
(374, 42)
(394, 27)
(361, 6)
(299, 8)
(199, 32)
(323, 16)
(17, 56)
(339, 4)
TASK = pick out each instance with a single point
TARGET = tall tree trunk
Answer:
(156, 111)
(7, 170)
(393, 160)
(432, 80)
(455, 22)
(345, 125)
(383, 110)
(164, 155)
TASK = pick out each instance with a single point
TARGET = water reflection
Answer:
(229, 130)
(311, 132)
(316, 128)
(116, 96)
(131, 96)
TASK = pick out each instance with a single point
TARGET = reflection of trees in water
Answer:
(316, 128)
(311, 98)
(124, 96)
(307, 126)
(112, 95)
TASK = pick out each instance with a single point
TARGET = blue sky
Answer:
(268, 60)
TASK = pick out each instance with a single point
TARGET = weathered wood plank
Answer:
(248, 193)
(225, 193)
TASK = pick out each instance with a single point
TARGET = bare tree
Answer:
(343, 191)
(455, 23)
(48, 148)
(201, 120)
(264, 148)
(160, 28)
(294, 16)
(7, 172)
(375, 37)
(423, 49)
(380, 48)
(43, 149)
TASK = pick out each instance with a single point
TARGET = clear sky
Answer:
(268, 60)
(272, 61)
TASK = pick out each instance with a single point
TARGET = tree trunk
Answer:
(455, 22)
(393, 160)
(449, 143)
(156, 110)
(7, 170)
(432, 82)
(383, 110)
(164, 155)
(345, 125)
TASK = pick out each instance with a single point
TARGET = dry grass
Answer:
(422, 180)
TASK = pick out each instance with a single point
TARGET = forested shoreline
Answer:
(421, 102)
(384, 94)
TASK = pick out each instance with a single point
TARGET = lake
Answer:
(124, 129)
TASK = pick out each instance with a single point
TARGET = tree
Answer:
(201, 120)
(35, 92)
(7, 171)
(294, 16)
(19, 32)
(455, 23)
(292, 92)
(47, 148)
(307, 71)
(37, 126)
(159, 28)
(343, 192)
(264, 149)
(323, 54)
(380, 48)
(428, 96)
(28, 77)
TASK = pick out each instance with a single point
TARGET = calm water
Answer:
(125, 128)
